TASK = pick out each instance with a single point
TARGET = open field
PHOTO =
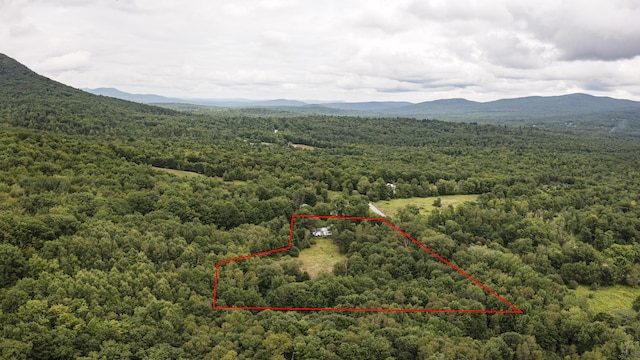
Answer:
(391, 207)
(302, 146)
(608, 298)
(320, 257)
(179, 173)
(190, 174)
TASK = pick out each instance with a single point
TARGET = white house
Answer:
(323, 231)
(392, 186)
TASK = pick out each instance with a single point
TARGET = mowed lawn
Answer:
(320, 257)
(391, 207)
(608, 298)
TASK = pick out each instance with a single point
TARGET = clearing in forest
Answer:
(608, 298)
(179, 173)
(250, 282)
(425, 204)
(320, 257)
(191, 174)
(302, 146)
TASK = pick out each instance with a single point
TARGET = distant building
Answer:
(392, 186)
(323, 231)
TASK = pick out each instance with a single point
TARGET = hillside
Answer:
(556, 112)
(157, 99)
(113, 216)
(34, 101)
(140, 98)
(574, 111)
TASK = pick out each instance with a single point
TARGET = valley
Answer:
(114, 214)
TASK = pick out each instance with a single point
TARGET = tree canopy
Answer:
(113, 215)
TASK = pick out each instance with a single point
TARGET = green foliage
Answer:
(636, 304)
(104, 255)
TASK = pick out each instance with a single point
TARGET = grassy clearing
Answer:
(179, 173)
(189, 174)
(320, 257)
(391, 207)
(608, 298)
(302, 146)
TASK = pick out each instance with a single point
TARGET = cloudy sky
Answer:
(353, 50)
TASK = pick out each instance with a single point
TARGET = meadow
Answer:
(424, 204)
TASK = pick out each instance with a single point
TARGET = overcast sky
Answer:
(353, 50)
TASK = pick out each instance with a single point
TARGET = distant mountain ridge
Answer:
(571, 103)
(563, 111)
(457, 109)
(573, 111)
(368, 106)
(140, 98)
(158, 99)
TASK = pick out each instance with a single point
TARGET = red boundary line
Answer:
(514, 309)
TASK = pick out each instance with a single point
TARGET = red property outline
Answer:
(514, 309)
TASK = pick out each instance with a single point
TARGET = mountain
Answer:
(558, 112)
(581, 111)
(533, 105)
(565, 111)
(140, 98)
(443, 106)
(566, 104)
(31, 100)
(368, 106)
(157, 99)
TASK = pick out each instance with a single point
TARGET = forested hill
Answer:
(30, 100)
(567, 112)
(113, 216)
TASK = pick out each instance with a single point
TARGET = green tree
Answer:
(12, 265)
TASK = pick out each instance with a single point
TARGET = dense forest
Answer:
(114, 214)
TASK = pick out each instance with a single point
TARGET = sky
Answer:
(331, 50)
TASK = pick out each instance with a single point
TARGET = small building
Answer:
(393, 187)
(323, 231)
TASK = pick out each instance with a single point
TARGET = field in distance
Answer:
(190, 174)
(608, 298)
(425, 204)
(178, 173)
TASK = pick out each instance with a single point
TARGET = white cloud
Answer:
(73, 61)
(515, 50)
(353, 50)
(597, 30)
